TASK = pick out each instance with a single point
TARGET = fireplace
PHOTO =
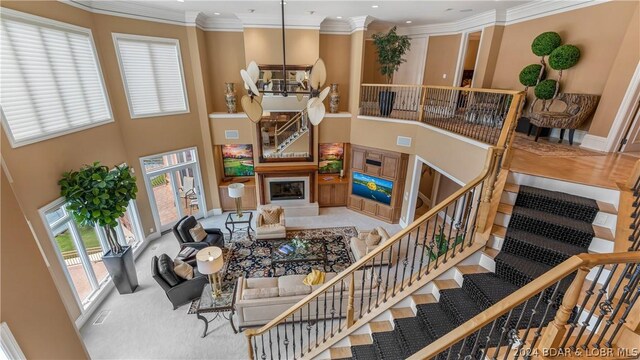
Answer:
(286, 190)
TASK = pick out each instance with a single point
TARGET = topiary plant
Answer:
(545, 43)
(97, 195)
(545, 90)
(529, 75)
(564, 57)
(391, 47)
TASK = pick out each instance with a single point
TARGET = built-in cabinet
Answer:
(332, 191)
(387, 165)
(249, 199)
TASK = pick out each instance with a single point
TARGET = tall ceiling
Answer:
(396, 12)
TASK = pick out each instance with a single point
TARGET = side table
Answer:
(234, 223)
(218, 306)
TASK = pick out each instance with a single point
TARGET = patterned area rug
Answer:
(545, 147)
(249, 258)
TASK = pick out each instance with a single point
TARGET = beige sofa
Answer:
(260, 300)
(270, 231)
(359, 247)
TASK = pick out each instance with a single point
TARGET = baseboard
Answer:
(578, 137)
(214, 212)
(593, 142)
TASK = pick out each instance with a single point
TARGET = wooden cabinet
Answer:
(383, 164)
(249, 199)
(333, 192)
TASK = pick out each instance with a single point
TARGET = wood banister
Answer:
(549, 278)
(635, 174)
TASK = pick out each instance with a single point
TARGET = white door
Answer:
(631, 142)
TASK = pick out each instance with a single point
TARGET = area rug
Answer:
(250, 258)
(547, 148)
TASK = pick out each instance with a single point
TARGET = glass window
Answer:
(51, 81)
(152, 73)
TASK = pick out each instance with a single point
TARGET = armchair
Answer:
(578, 108)
(359, 247)
(181, 232)
(178, 290)
(272, 226)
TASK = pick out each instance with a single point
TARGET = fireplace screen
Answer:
(286, 190)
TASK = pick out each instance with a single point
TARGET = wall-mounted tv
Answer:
(372, 188)
(331, 158)
(237, 160)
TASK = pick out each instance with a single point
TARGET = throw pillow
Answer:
(271, 216)
(182, 269)
(197, 233)
(374, 232)
(165, 269)
(373, 239)
(315, 277)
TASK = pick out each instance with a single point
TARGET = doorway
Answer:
(470, 58)
(427, 187)
(174, 186)
(631, 140)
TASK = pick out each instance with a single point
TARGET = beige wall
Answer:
(225, 53)
(442, 55)
(264, 46)
(335, 51)
(487, 56)
(371, 66)
(471, 54)
(357, 70)
(597, 30)
(31, 305)
(426, 181)
(446, 188)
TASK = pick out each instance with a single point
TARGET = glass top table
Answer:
(218, 305)
(298, 250)
(236, 224)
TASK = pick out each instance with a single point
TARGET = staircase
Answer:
(291, 139)
(291, 131)
(535, 229)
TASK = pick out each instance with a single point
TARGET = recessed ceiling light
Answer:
(180, 0)
(216, 13)
(374, 6)
(408, 21)
(338, 17)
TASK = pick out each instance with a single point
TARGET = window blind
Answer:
(152, 72)
(51, 79)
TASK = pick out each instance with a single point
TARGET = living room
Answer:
(193, 177)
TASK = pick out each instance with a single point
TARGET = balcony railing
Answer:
(430, 245)
(479, 114)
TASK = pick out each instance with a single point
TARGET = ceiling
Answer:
(387, 11)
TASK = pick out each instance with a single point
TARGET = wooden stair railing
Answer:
(560, 313)
(425, 245)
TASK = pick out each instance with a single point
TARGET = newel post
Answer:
(487, 192)
(249, 334)
(350, 307)
(555, 331)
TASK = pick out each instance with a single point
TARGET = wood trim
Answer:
(264, 172)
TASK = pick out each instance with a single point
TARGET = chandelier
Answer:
(252, 102)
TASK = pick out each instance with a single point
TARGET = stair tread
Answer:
(424, 298)
(491, 252)
(380, 326)
(446, 284)
(561, 196)
(492, 287)
(387, 345)
(498, 230)
(510, 187)
(360, 339)
(402, 312)
(458, 304)
(364, 352)
(604, 233)
(436, 321)
(552, 218)
(552, 226)
(471, 269)
(413, 333)
(606, 207)
(343, 352)
(543, 242)
(505, 208)
(531, 268)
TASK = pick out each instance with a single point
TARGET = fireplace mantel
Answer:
(264, 172)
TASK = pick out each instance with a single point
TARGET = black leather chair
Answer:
(181, 232)
(178, 290)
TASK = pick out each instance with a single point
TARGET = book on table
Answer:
(186, 252)
(286, 249)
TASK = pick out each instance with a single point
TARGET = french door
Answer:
(174, 186)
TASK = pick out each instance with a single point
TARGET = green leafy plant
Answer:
(442, 244)
(529, 75)
(564, 57)
(546, 89)
(391, 48)
(99, 196)
(545, 43)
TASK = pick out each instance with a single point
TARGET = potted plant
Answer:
(98, 196)
(391, 48)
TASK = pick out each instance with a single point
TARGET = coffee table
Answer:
(218, 306)
(298, 250)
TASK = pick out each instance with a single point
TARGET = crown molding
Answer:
(360, 23)
(335, 27)
(252, 20)
(129, 10)
(222, 24)
(538, 9)
(195, 18)
(472, 23)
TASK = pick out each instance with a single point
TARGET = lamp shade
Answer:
(236, 190)
(210, 260)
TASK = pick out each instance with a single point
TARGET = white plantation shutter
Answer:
(51, 82)
(152, 73)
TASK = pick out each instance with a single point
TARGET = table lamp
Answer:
(236, 191)
(210, 262)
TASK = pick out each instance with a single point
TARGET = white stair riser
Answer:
(495, 242)
(508, 198)
(603, 275)
(502, 219)
(601, 246)
(610, 196)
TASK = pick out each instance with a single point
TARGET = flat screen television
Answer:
(331, 158)
(372, 188)
(237, 160)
